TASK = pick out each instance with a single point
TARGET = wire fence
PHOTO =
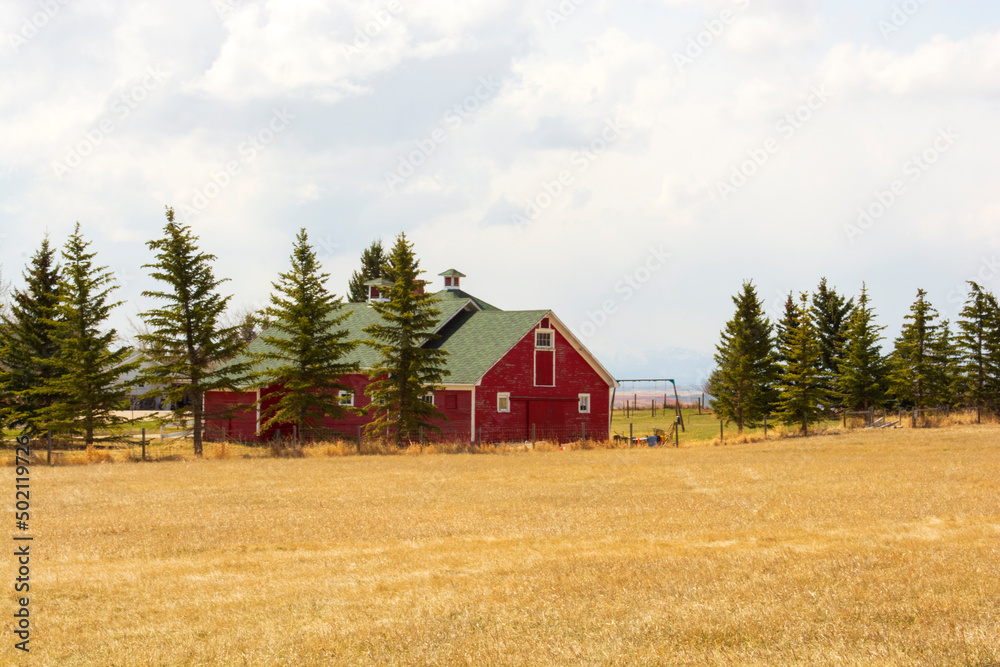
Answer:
(174, 441)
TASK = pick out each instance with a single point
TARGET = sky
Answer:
(625, 164)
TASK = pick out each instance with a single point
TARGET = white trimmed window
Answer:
(428, 398)
(544, 339)
(584, 404)
(503, 402)
(346, 398)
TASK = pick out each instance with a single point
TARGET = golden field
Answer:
(865, 548)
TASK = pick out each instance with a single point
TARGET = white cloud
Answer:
(942, 66)
(356, 113)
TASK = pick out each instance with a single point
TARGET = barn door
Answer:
(549, 419)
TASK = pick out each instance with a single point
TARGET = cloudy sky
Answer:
(627, 164)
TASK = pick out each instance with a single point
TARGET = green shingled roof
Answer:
(458, 295)
(473, 344)
(477, 340)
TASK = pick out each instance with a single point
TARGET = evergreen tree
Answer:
(830, 313)
(304, 348)
(976, 342)
(782, 340)
(863, 379)
(913, 374)
(946, 385)
(186, 342)
(741, 385)
(373, 265)
(28, 347)
(802, 396)
(408, 368)
(87, 384)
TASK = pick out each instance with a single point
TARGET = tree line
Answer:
(63, 369)
(825, 356)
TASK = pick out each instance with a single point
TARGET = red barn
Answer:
(514, 374)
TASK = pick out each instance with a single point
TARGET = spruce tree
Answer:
(782, 337)
(87, 385)
(304, 348)
(913, 375)
(373, 265)
(741, 385)
(28, 347)
(976, 333)
(186, 342)
(863, 378)
(946, 378)
(802, 396)
(407, 369)
(830, 312)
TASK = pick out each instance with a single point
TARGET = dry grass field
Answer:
(867, 548)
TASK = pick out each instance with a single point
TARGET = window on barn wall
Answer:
(544, 339)
(584, 404)
(346, 398)
(428, 398)
(503, 402)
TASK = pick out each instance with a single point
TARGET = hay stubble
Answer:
(852, 549)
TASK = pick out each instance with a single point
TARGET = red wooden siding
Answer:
(455, 406)
(232, 411)
(553, 410)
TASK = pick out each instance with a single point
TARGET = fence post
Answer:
(161, 434)
(765, 427)
(721, 433)
(48, 446)
(479, 435)
(143, 443)
(421, 431)
(630, 440)
(845, 418)
(359, 438)
(871, 416)
(583, 431)
(654, 408)
(913, 421)
(532, 436)
(677, 433)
